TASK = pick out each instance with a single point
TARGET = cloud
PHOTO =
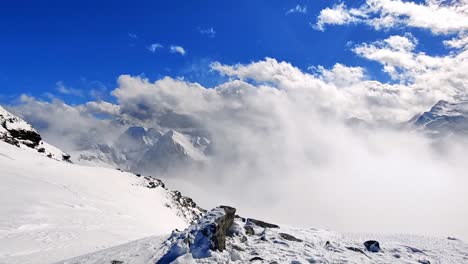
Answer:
(396, 54)
(459, 42)
(177, 49)
(436, 16)
(154, 47)
(297, 9)
(61, 88)
(210, 32)
(132, 36)
(70, 127)
(337, 15)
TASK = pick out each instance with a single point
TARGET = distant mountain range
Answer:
(146, 150)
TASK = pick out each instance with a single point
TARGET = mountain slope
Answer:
(222, 237)
(53, 210)
(444, 119)
(16, 131)
(146, 150)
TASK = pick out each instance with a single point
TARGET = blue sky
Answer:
(86, 45)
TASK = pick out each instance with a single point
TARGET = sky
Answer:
(277, 86)
(75, 50)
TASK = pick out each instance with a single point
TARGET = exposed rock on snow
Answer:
(17, 132)
(209, 234)
(372, 246)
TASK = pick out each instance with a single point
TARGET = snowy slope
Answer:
(221, 237)
(18, 132)
(52, 210)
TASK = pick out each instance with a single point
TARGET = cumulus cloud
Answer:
(337, 15)
(297, 9)
(436, 16)
(401, 62)
(154, 47)
(177, 49)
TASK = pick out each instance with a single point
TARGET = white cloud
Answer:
(297, 9)
(132, 36)
(154, 47)
(61, 88)
(397, 56)
(337, 15)
(436, 16)
(459, 42)
(340, 75)
(210, 32)
(177, 49)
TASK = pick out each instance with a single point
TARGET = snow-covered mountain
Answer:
(146, 150)
(17, 132)
(223, 237)
(51, 209)
(444, 119)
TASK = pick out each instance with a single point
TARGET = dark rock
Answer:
(117, 262)
(372, 246)
(222, 225)
(31, 138)
(289, 237)
(256, 258)
(261, 223)
(41, 150)
(424, 261)
(452, 238)
(249, 230)
(66, 157)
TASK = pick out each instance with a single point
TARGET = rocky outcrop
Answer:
(200, 239)
(17, 132)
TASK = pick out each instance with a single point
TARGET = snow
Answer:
(147, 150)
(186, 143)
(54, 210)
(269, 245)
(13, 122)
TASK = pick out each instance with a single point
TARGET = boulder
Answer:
(372, 246)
